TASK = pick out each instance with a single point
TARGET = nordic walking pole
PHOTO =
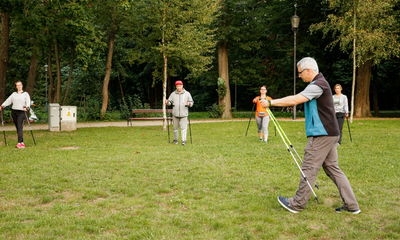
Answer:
(190, 128)
(166, 114)
(348, 126)
(276, 123)
(4, 131)
(26, 115)
(251, 115)
(284, 141)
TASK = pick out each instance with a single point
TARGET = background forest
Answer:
(109, 56)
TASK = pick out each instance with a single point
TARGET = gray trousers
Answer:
(180, 121)
(322, 151)
(262, 124)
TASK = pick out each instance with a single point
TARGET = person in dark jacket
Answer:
(181, 100)
(322, 131)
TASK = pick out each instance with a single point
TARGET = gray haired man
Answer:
(323, 133)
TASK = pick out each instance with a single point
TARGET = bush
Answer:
(215, 111)
(91, 111)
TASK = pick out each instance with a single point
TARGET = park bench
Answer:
(147, 111)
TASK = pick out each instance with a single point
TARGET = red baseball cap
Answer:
(179, 82)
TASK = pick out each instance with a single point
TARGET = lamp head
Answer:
(295, 22)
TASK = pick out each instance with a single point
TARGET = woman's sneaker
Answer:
(22, 145)
(19, 145)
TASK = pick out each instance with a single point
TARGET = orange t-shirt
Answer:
(259, 107)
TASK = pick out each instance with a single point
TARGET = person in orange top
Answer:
(262, 117)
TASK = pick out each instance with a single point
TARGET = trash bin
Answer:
(54, 117)
(68, 118)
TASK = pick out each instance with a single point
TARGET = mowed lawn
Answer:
(130, 183)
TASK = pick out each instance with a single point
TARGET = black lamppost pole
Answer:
(45, 68)
(295, 26)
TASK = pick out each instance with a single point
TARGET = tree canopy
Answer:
(111, 55)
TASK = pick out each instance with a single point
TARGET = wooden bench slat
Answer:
(150, 110)
(149, 118)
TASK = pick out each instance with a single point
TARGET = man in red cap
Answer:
(181, 100)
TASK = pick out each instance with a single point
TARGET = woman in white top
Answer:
(20, 101)
(341, 107)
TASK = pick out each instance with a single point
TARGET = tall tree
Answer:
(176, 36)
(111, 16)
(4, 48)
(243, 47)
(375, 35)
(224, 98)
(49, 29)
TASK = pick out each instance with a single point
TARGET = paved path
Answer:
(38, 126)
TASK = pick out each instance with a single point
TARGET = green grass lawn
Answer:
(129, 183)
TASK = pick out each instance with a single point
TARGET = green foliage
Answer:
(215, 110)
(180, 31)
(374, 25)
(221, 88)
(133, 102)
(41, 114)
(91, 109)
(258, 33)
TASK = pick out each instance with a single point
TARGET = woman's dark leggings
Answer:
(18, 117)
(340, 118)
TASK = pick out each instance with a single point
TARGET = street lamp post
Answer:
(45, 68)
(295, 26)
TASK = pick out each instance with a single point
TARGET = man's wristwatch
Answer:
(269, 103)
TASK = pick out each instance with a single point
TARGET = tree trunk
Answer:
(108, 72)
(4, 46)
(57, 95)
(71, 68)
(51, 80)
(223, 73)
(362, 106)
(30, 83)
